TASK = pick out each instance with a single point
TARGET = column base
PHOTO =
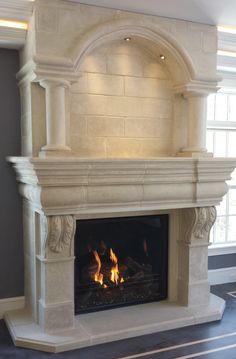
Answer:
(55, 151)
(121, 323)
(194, 154)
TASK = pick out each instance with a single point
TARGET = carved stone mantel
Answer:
(84, 186)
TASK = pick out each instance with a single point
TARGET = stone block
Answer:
(147, 87)
(94, 63)
(124, 106)
(56, 317)
(124, 65)
(105, 126)
(105, 84)
(89, 104)
(51, 292)
(78, 125)
(154, 70)
(148, 127)
(157, 108)
(88, 146)
(81, 86)
(124, 147)
(156, 147)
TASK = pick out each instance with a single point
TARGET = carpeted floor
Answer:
(215, 340)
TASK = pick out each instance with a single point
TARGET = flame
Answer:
(115, 269)
(98, 277)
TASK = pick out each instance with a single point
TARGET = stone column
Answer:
(193, 285)
(197, 112)
(56, 273)
(55, 116)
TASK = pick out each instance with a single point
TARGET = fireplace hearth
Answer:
(120, 261)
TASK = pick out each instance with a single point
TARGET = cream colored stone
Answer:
(143, 87)
(78, 125)
(89, 104)
(88, 146)
(157, 108)
(111, 194)
(149, 127)
(124, 147)
(158, 147)
(81, 86)
(124, 65)
(124, 106)
(209, 43)
(105, 84)
(56, 317)
(105, 126)
(154, 70)
(50, 291)
(94, 64)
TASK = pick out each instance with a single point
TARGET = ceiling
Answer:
(213, 12)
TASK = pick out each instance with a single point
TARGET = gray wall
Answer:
(11, 244)
(222, 261)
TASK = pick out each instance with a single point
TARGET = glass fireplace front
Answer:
(120, 261)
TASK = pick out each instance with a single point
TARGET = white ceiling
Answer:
(213, 12)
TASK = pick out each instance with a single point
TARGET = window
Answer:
(221, 140)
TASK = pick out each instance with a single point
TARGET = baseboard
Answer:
(11, 304)
(222, 275)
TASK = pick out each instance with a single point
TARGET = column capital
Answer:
(197, 89)
(51, 82)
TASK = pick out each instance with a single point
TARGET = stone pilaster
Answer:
(56, 300)
(193, 285)
(55, 117)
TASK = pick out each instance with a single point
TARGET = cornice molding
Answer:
(12, 38)
(79, 186)
(16, 9)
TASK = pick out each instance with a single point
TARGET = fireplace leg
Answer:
(56, 265)
(193, 285)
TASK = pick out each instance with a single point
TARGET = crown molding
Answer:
(17, 10)
(20, 10)
(12, 38)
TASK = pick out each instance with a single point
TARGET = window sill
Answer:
(221, 249)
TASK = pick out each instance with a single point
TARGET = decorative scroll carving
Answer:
(205, 220)
(60, 232)
(198, 222)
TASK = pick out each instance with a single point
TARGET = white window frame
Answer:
(224, 248)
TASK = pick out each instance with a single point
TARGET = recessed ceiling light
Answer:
(162, 57)
(127, 39)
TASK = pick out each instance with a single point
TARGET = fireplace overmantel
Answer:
(91, 186)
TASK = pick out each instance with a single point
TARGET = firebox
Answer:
(120, 262)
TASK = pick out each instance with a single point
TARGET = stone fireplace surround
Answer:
(136, 174)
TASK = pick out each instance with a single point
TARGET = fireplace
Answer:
(113, 134)
(120, 261)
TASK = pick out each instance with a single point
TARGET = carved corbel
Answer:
(197, 223)
(59, 235)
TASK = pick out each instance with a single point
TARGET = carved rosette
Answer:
(198, 223)
(59, 234)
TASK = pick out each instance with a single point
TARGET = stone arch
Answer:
(178, 61)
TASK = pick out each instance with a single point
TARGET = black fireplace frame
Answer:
(164, 218)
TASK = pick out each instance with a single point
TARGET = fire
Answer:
(98, 277)
(114, 272)
(115, 278)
